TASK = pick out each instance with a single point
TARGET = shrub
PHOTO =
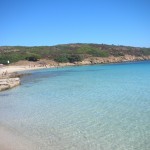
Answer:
(98, 53)
(146, 51)
(74, 58)
(33, 57)
(117, 54)
(61, 59)
(3, 60)
(94, 51)
(12, 57)
(84, 49)
(68, 58)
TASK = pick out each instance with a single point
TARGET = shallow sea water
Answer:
(99, 107)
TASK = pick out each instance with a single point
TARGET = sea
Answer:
(95, 107)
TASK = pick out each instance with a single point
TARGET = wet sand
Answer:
(10, 140)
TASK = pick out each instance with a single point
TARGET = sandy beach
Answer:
(10, 76)
(9, 71)
(26, 65)
(44, 63)
(11, 140)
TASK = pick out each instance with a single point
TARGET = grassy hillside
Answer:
(67, 52)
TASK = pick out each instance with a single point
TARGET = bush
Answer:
(94, 51)
(74, 58)
(84, 49)
(61, 59)
(3, 60)
(146, 51)
(12, 57)
(32, 57)
(68, 58)
(98, 53)
(117, 54)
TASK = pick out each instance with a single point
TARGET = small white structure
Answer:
(8, 61)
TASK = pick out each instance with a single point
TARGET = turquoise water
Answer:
(99, 107)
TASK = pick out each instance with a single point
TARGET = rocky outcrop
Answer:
(8, 83)
(111, 59)
(98, 60)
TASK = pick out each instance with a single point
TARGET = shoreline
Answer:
(9, 75)
(12, 68)
(11, 140)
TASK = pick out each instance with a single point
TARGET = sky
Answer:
(52, 22)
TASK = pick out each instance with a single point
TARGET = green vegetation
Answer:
(16, 56)
(75, 58)
(32, 57)
(68, 58)
(12, 57)
(91, 50)
(146, 51)
(61, 58)
(98, 53)
(67, 52)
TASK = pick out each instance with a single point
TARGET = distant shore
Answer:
(27, 65)
(9, 80)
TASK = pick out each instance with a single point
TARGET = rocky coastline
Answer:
(12, 79)
(106, 60)
(9, 83)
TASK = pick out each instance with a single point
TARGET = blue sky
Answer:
(51, 22)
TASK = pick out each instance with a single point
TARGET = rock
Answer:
(9, 83)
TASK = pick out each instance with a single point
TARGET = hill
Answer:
(70, 52)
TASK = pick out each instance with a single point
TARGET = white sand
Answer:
(11, 69)
(10, 140)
